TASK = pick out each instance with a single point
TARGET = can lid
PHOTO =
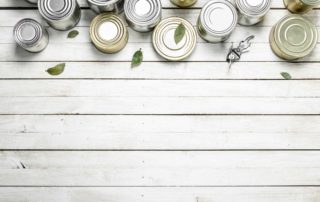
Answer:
(295, 36)
(56, 9)
(27, 32)
(103, 2)
(253, 7)
(218, 17)
(164, 43)
(311, 2)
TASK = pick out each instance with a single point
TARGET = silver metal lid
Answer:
(253, 7)
(27, 32)
(56, 9)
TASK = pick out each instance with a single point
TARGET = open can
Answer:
(143, 15)
(108, 33)
(301, 6)
(100, 6)
(30, 35)
(293, 37)
(217, 20)
(184, 3)
(252, 11)
(60, 14)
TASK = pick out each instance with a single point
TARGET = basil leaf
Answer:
(286, 75)
(56, 70)
(137, 58)
(179, 33)
(73, 34)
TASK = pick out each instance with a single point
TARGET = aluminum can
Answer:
(32, 1)
(108, 33)
(143, 15)
(251, 12)
(100, 6)
(301, 6)
(164, 43)
(217, 20)
(184, 3)
(293, 37)
(30, 35)
(60, 14)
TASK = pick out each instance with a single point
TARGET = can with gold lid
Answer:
(301, 6)
(108, 33)
(164, 42)
(293, 37)
(184, 3)
(252, 11)
(100, 6)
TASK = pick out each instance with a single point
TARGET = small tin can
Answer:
(301, 6)
(217, 20)
(184, 3)
(293, 37)
(100, 6)
(108, 33)
(252, 11)
(164, 42)
(60, 14)
(30, 35)
(143, 15)
(32, 1)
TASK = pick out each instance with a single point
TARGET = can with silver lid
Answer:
(252, 11)
(60, 14)
(108, 33)
(30, 35)
(143, 15)
(164, 42)
(32, 1)
(184, 3)
(301, 6)
(293, 37)
(100, 6)
(217, 20)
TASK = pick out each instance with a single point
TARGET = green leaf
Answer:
(72, 34)
(179, 33)
(137, 58)
(286, 75)
(56, 70)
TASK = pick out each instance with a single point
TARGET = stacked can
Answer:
(184, 3)
(301, 6)
(252, 11)
(100, 6)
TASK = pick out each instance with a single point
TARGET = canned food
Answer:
(164, 42)
(293, 37)
(31, 35)
(142, 15)
(108, 33)
(32, 1)
(60, 14)
(301, 6)
(217, 20)
(252, 11)
(183, 3)
(100, 6)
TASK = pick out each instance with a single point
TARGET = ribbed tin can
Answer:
(301, 6)
(184, 3)
(217, 20)
(143, 15)
(100, 6)
(32, 1)
(164, 42)
(108, 33)
(293, 37)
(60, 14)
(252, 11)
(30, 35)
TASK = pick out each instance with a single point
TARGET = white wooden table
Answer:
(162, 132)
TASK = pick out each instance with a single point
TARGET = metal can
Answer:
(143, 15)
(32, 1)
(301, 6)
(108, 33)
(184, 3)
(30, 35)
(60, 14)
(164, 42)
(100, 6)
(252, 11)
(217, 20)
(293, 37)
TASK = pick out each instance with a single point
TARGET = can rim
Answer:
(311, 2)
(38, 32)
(253, 11)
(102, 3)
(47, 13)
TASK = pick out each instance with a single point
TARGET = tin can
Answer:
(184, 3)
(108, 33)
(217, 20)
(143, 15)
(32, 1)
(251, 12)
(30, 35)
(164, 42)
(293, 37)
(60, 14)
(100, 6)
(301, 6)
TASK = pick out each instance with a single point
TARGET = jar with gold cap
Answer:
(301, 6)
(184, 3)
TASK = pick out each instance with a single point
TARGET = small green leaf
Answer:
(286, 75)
(179, 33)
(72, 34)
(137, 58)
(56, 70)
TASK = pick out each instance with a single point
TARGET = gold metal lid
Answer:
(184, 3)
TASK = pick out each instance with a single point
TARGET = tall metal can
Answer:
(143, 15)
(301, 6)
(32, 1)
(252, 11)
(293, 37)
(184, 3)
(30, 35)
(100, 6)
(217, 20)
(60, 14)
